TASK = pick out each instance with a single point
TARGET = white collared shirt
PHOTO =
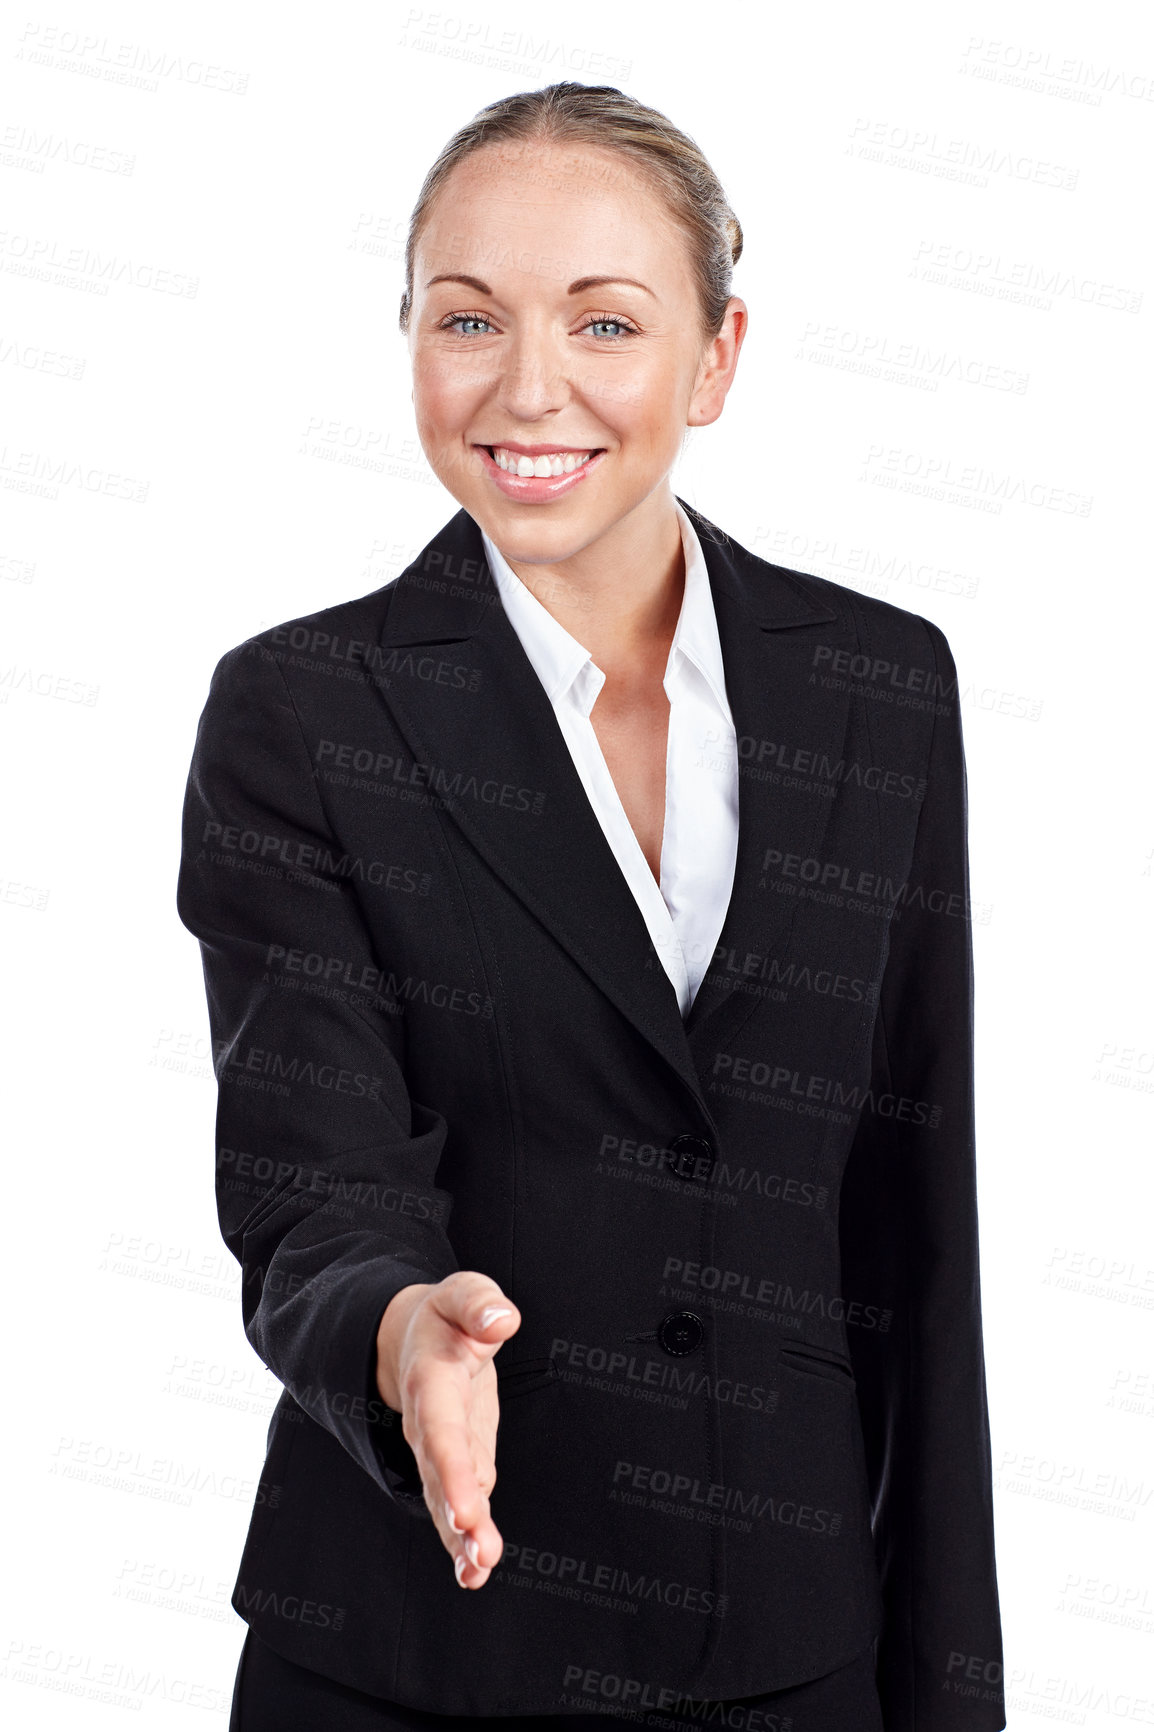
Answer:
(685, 914)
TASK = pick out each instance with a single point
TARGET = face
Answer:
(519, 349)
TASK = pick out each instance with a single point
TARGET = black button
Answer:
(694, 1157)
(681, 1332)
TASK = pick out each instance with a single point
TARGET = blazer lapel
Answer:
(498, 763)
(770, 627)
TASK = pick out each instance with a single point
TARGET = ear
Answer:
(718, 365)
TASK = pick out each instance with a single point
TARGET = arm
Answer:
(909, 1232)
(324, 1178)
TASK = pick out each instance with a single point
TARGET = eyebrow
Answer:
(575, 288)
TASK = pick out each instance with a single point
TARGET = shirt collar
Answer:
(560, 661)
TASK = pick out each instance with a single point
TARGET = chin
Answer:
(540, 542)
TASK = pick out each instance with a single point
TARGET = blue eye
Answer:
(455, 320)
(612, 319)
(467, 318)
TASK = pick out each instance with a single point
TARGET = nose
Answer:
(534, 377)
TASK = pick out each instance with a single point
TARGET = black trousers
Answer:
(274, 1695)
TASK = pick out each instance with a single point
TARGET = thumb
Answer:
(478, 1307)
(490, 1321)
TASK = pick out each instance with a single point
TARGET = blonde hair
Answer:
(605, 118)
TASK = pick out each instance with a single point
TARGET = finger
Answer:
(444, 1448)
(466, 1521)
(479, 1536)
(460, 1507)
(481, 1552)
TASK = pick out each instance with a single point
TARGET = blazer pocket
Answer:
(519, 1376)
(814, 1361)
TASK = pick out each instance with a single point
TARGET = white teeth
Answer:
(556, 463)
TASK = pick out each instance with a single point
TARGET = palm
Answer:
(481, 1418)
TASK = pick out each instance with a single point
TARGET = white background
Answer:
(205, 428)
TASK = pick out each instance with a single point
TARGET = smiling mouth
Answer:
(548, 465)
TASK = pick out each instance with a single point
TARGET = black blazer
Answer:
(743, 1425)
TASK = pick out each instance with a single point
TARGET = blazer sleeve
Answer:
(909, 1237)
(324, 1165)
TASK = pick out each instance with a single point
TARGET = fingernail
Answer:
(473, 1550)
(451, 1518)
(458, 1566)
(491, 1313)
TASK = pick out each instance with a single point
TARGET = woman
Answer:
(583, 918)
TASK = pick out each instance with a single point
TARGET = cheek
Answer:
(654, 429)
(442, 398)
(646, 407)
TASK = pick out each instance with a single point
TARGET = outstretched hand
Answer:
(435, 1367)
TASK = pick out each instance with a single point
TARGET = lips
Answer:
(537, 489)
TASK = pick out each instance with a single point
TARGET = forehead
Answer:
(563, 197)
